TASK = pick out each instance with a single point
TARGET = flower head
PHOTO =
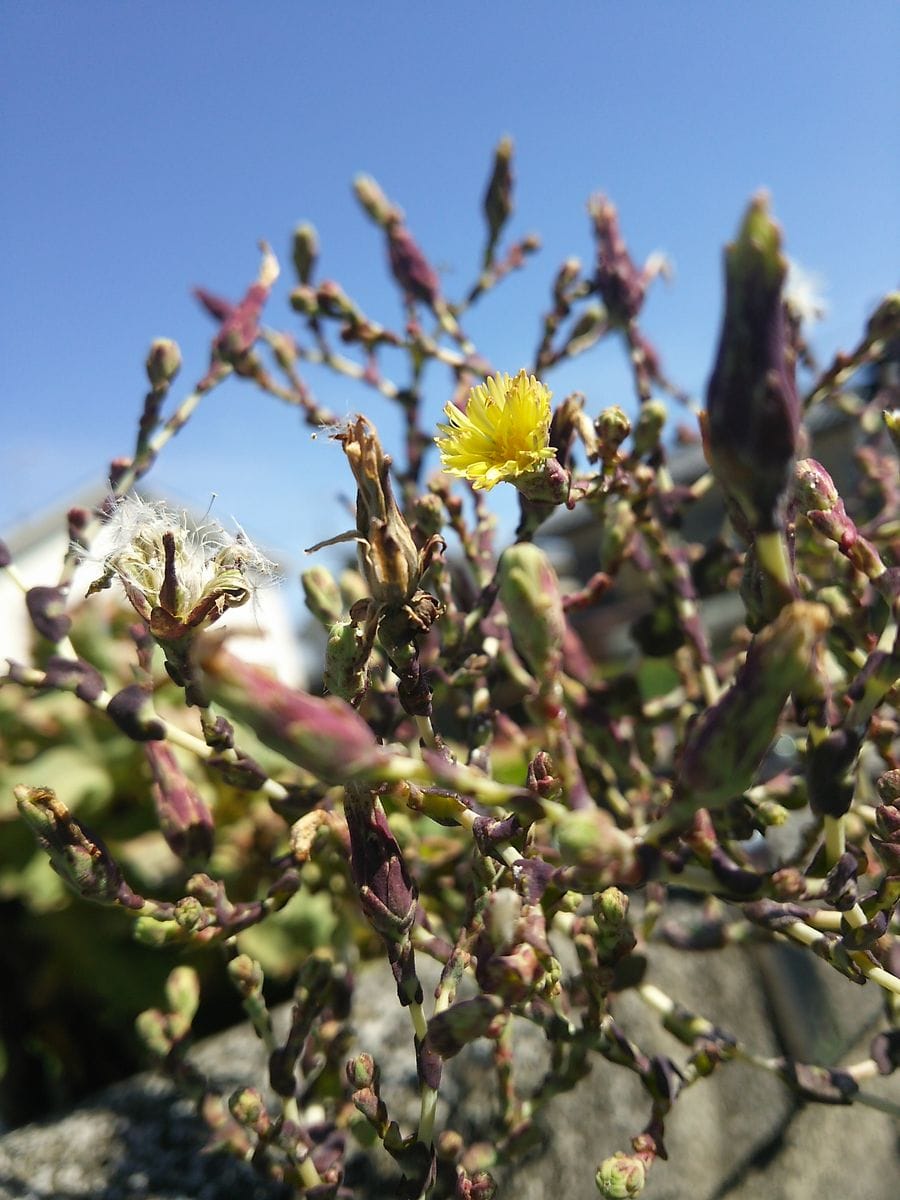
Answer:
(503, 434)
(178, 578)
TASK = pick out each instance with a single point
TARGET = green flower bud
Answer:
(322, 595)
(305, 251)
(613, 427)
(163, 363)
(374, 201)
(611, 907)
(183, 992)
(304, 300)
(152, 1027)
(651, 419)
(529, 592)
(729, 740)
(346, 655)
(621, 1177)
(147, 931)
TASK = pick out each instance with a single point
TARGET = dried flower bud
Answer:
(752, 404)
(388, 557)
(529, 592)
(80, 859)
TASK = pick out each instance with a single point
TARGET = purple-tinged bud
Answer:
(409, 266)
(498, 204)
(752, 405)
(530, 595)
(478, 1186)
(240, 322)
(814, 488)
(362, 1072)
(80, 859)
(387, 890)
(325, 736)
(621, 1177)
(621, 285)
(305, 252)
(462, 1023)
(541, 778)
(728, 741)
(47, 609)
(74, 675)
(887, 818)
(132, 710)
(184, 817)
(514, 976)
(885, 1051)
(830, 779)
(322, 595)
(163, 363)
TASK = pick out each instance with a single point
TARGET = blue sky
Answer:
(148, 146)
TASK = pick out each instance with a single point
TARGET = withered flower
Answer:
(179, 579)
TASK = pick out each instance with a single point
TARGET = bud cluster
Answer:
(514, 762)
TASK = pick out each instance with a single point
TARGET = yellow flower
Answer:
(502, 434)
